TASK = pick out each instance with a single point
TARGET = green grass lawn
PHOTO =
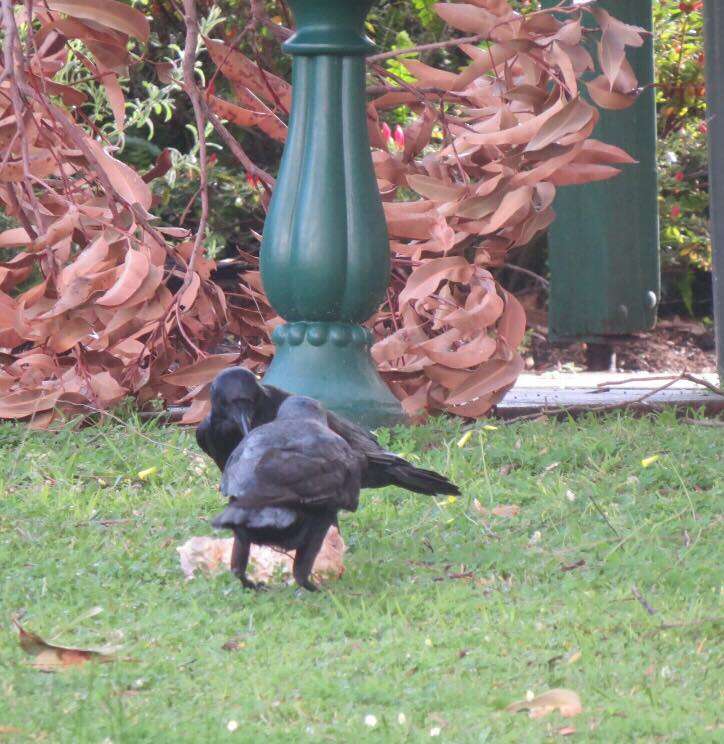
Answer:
(545, 599)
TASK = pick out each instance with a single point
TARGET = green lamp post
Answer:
(325, 261)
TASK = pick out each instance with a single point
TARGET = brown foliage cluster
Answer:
(514, 127)
(98, 301)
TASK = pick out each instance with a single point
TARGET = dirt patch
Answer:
(673, 346)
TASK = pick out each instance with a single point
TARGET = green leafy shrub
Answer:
(682, 151)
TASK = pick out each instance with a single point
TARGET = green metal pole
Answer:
(603, 245)
(714, 21)
(325, 260)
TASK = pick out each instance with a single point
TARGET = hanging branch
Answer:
(192, 91)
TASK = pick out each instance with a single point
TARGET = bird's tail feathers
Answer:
(232, 516)
(424, 481)
(406, 475)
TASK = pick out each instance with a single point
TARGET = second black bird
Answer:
(286, 481)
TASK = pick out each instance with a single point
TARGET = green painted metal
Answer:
(604, 243)
(325, 261)
(714, 29)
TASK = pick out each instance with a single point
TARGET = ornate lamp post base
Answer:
(331, 362)
(325, 258)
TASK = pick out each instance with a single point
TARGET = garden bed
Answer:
(673, 346)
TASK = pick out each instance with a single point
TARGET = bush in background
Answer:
(682, 153)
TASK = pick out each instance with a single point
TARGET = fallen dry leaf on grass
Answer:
(212, 555)
(506, 511)
(565, 701)
(51, 658)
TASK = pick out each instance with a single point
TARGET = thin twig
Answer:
(670, 381)
(259, 17)
(703, 422)
(541, 280)
(704, 383)
(14, 71)
(603, 515)
(192, 90)
(466, 39)
(692, 623)
(673, 378)
(236, 149)
(375, 58)
(642, 600)
(379, 90)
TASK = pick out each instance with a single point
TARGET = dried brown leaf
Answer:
(566, 701)
(135, 270)
(109, 13)
(426, 278)
(603, 96)
(433, 189)
(47, 657)
(236, 114)
(573, 117)
(24, 403)
(491, 377)
(467, 17)
(201, 372)
(122, 177)
(241, 70)
(577, 173)
(430, 77)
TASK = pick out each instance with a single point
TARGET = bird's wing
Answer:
(202, 435)
(267, 405)
(218, 439)
(358, 438)
(314, 468)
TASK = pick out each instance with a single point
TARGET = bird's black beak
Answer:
(243, 420)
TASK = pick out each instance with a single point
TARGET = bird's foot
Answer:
(309, 585)
(252, 585)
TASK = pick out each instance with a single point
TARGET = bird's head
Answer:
(234, 395)
(301, 407)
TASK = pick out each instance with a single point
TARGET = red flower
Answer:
(386, 132)
(679, 176)
(399, 137)
(252, 180)
(703, 127)
(675, 211)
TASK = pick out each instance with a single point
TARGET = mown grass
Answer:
(398, 634)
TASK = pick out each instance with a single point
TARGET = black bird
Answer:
(240, 403)
(286, 481)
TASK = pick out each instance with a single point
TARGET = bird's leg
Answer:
(305, 555)
(240, 560)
